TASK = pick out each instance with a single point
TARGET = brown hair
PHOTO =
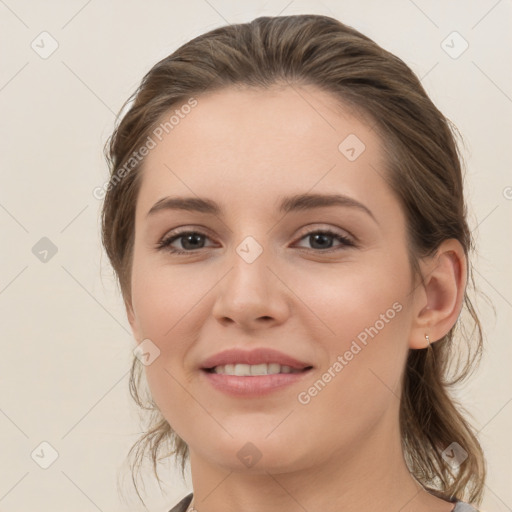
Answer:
(424, 170)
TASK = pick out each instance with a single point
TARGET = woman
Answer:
(286, 218)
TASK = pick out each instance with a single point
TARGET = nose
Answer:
(251, 294)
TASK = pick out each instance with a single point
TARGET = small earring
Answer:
(427, 338)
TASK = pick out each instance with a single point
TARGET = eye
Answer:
(192, 241)
(320, 239)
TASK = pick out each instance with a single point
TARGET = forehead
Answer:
(243, 143)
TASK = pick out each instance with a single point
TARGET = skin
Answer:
(246, 148)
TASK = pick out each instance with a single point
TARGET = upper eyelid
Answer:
(338, 231)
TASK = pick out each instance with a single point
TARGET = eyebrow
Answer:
(294, 203)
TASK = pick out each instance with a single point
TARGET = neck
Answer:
(353, 479)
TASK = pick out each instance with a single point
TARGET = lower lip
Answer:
(254, 386)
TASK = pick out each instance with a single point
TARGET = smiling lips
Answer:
(254, 358)
(247, 370)
(268, 370)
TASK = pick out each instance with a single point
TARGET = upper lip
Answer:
(255, 356)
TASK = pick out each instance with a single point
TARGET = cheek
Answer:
(359, 381)
(166, 304)
(365, 320)
(159, 296)
(165, 311)
(348, 299)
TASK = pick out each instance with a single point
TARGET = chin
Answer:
(257, 455)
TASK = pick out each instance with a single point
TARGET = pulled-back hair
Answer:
(423, 170)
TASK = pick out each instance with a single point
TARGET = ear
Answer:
(438, 301)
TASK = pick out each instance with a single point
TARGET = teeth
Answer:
(247, 370)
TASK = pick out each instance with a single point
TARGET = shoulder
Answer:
(185, 502)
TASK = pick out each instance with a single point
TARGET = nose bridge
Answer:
(249, 277)
(250, 290)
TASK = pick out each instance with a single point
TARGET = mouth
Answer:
(244, 381)
(253, 370)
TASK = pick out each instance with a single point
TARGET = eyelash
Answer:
(165, 243)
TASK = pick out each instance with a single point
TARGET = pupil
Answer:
(322, 237)
(191, 238)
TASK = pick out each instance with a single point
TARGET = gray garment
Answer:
(464, 507)
(185, 502)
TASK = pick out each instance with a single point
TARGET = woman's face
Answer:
(254, 276)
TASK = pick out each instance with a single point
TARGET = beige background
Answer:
(66, 343)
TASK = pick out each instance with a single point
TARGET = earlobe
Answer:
(439, 299)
